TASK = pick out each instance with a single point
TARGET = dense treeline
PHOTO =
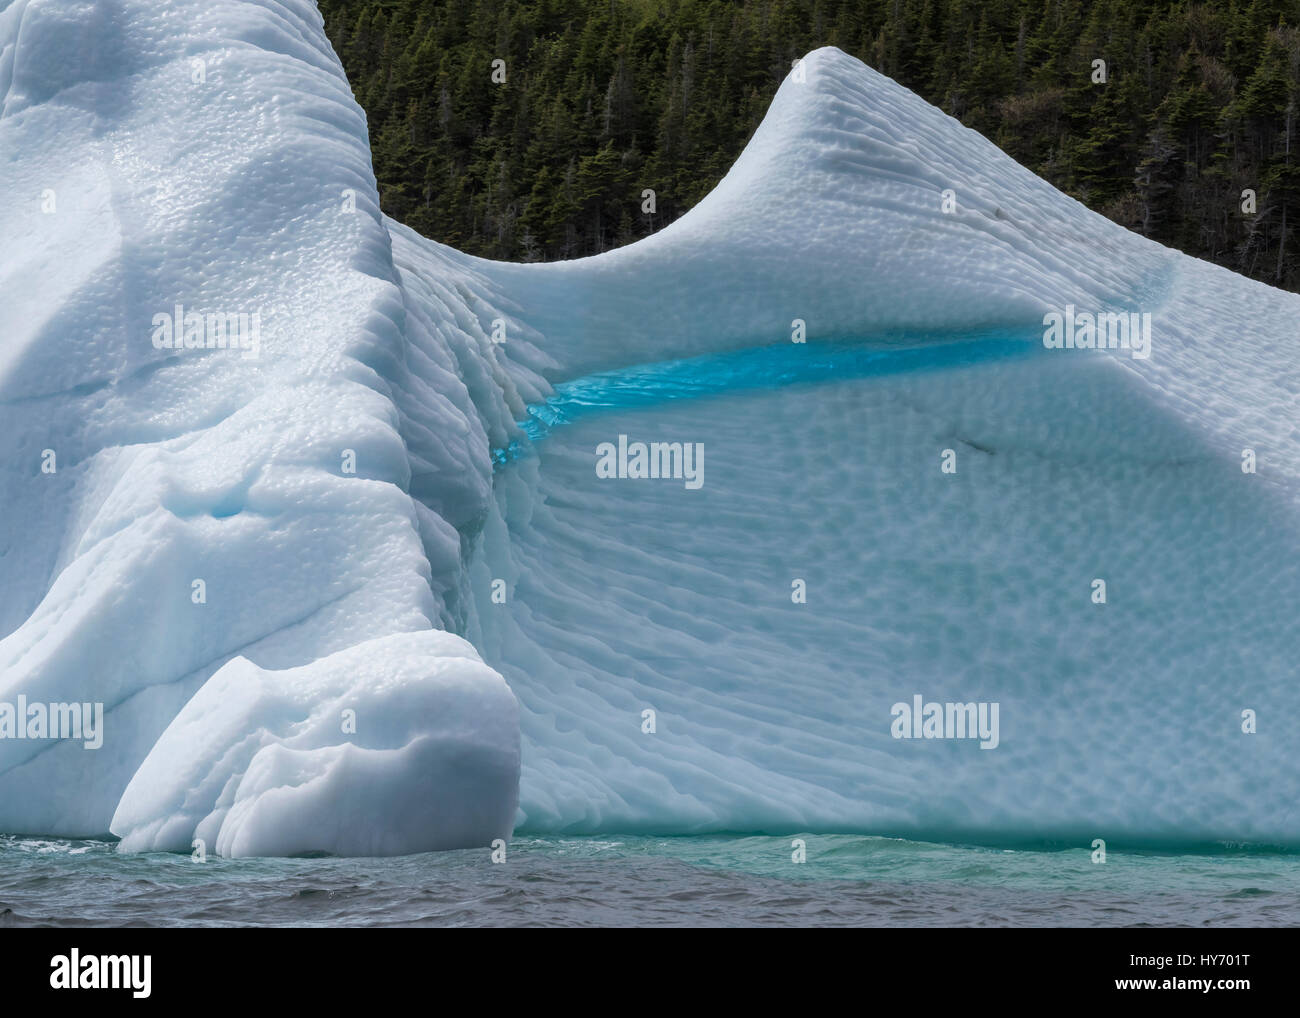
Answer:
(605, 98)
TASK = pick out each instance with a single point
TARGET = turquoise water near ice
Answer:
(847, 880)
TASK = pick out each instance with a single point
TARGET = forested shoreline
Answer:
(532, 130)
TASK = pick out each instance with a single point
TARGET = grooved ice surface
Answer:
(332, 595)
(1121, 721)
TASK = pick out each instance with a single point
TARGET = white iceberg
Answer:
(280, 574)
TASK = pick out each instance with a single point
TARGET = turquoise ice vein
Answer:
(759, 368)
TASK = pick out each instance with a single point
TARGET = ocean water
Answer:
(846, 880)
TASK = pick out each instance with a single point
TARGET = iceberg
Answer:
(254, 563)
(311, 504)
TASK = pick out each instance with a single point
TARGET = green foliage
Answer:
(603, 99)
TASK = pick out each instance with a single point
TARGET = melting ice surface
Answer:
(973, 586)
(344, 679)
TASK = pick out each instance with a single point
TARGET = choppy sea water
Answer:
(846, 880)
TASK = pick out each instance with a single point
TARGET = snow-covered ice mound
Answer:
(282, 574)
(219, 545)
